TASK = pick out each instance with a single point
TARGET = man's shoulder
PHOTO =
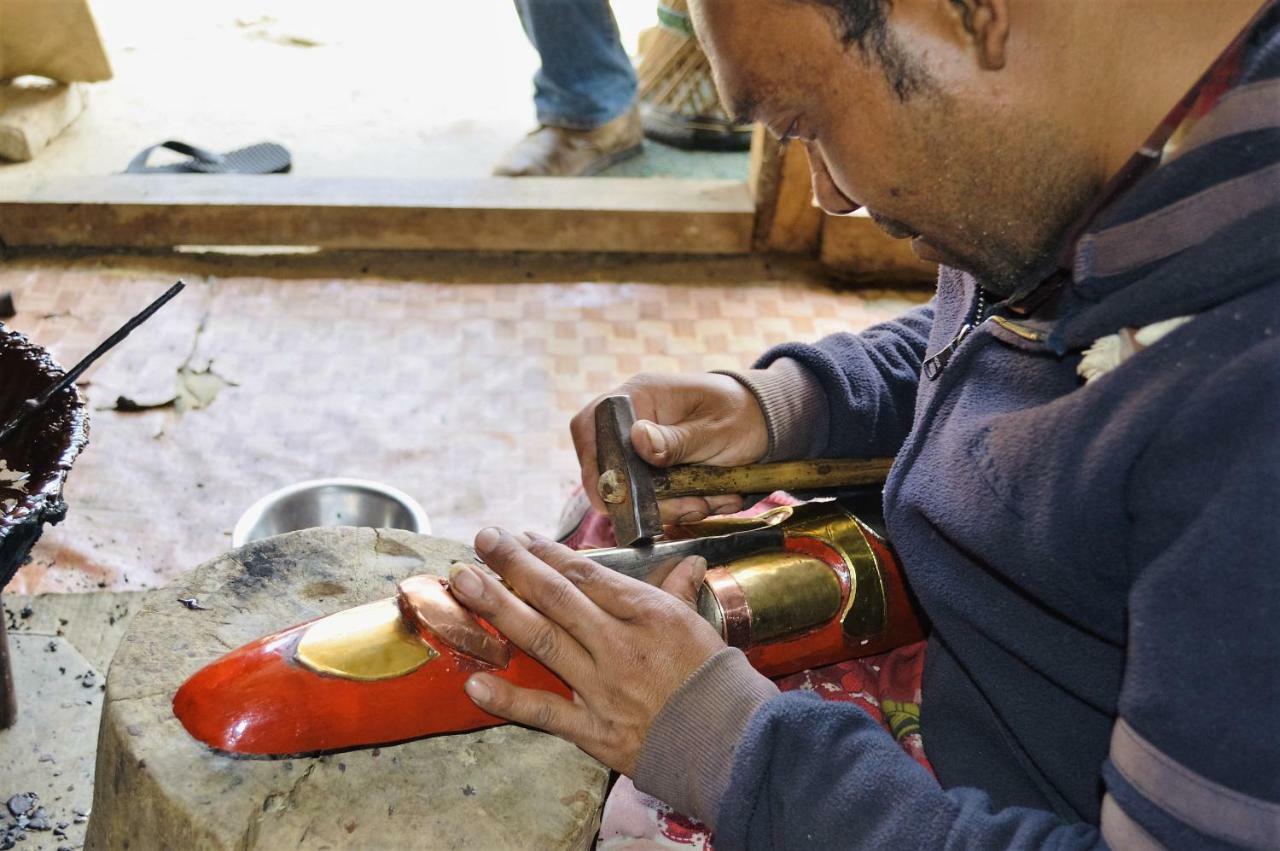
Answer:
(1233, 346)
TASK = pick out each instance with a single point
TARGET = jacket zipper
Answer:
(935, 363)
(932, 367)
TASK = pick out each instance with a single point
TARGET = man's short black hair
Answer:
(865, 24)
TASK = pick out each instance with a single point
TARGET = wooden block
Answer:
(643, 215)
(503, 788)
(855, 248)
(33, 116)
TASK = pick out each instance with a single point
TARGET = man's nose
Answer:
(825, 191)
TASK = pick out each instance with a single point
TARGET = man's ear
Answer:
(986, 22)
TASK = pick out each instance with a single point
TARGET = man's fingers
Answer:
(531, 631)
(536, 582)
(663, 445)
(685, 580)
(532, 707)
(684, 509)
(608, 589)
(725, 504)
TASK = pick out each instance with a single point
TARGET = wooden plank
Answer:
(786, 218)
(645, 215)
(855, 248)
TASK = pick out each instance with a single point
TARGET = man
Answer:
(584, 93)
(1099, 559)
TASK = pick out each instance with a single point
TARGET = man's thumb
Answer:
(685, 580)
(660, 445)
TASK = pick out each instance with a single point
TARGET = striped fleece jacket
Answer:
(1100, 561)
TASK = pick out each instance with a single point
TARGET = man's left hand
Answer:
(623, 646)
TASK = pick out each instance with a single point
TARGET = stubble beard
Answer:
(1011, 213)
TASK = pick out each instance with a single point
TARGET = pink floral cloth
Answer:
(886, 687)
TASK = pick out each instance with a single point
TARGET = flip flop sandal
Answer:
(263, 158)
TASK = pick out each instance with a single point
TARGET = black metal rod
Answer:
(30, 406)
(8, 692)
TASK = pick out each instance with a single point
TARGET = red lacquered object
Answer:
(836, 593)
(369, 675)
(393, 669)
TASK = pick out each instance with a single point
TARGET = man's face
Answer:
(933, 146)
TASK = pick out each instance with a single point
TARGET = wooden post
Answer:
(8, 694)
(786, 219)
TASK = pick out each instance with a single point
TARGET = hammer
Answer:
(631, 488)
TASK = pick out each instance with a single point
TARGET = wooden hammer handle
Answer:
(705, 480)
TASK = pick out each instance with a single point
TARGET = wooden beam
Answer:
(856, 249)
(786, 219)
(645, 215)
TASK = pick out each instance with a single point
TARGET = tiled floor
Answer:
(459, 394)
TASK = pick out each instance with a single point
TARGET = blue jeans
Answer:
(586, 78)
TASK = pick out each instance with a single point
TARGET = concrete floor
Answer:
(380, 88)
(61, 646)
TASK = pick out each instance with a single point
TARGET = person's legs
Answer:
(586, 78)
(584, 92)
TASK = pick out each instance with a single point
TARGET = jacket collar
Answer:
(1197, 231)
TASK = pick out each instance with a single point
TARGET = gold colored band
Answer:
(369, 642)
(865, 610)
(784, 594)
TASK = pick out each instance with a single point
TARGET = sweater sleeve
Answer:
(869, 381)
(1193, 762)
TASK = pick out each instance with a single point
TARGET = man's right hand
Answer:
(699, 418)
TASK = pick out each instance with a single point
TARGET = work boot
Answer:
(562, 152)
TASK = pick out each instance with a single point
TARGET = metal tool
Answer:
(631, 488)
(639, 561)
(32, 405)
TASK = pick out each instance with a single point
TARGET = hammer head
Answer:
(626, 481)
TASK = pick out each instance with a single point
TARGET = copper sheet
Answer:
(426, 603)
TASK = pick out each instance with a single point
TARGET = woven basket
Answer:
(45, 447)
(678, 101)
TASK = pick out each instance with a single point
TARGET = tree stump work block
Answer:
(156, 787)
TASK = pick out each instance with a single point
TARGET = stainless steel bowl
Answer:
(329, 502)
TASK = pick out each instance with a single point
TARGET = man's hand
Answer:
(699, 418)
(624, 647)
